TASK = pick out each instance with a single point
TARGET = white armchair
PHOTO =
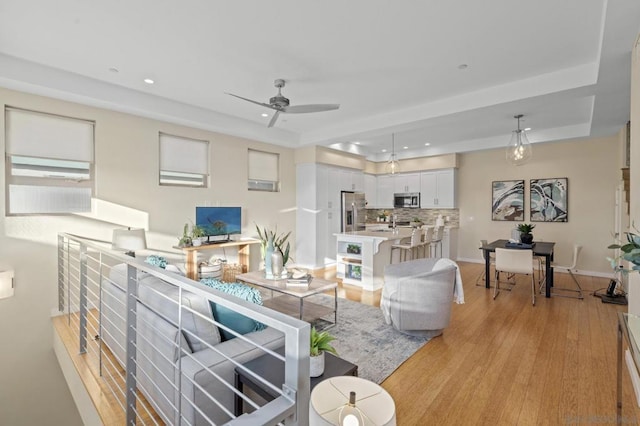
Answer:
(416, 297)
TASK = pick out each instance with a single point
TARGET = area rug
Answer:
(363, 338)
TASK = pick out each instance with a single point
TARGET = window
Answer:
(183, 161)
(49, 163)
(263, 171)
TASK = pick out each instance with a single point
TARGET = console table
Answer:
(191, 263)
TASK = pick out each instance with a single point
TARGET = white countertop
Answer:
(382, 235)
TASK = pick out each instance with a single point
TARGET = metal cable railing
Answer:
(152, 340)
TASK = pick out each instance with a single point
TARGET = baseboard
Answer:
(83, 402)
(575, 272)
(633, 372)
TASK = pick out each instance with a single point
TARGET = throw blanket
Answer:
(458, 291)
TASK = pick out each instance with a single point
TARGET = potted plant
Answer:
(526, 237)
(416, 222)
(185, 239)
(353, 248)
(320, 342)
(630, 252)
(274, 247)
(197, 233)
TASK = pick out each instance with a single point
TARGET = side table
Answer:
(272, 370)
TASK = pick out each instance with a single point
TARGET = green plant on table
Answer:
(280, 242)
(185, 239)
(525, 228)
(197, 232)
(321, 342)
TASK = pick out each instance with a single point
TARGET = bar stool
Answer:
(436, 241)
(406, 246)
(427, 236)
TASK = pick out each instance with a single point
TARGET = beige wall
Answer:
(634, 279)
(127, 186)
(593, 169)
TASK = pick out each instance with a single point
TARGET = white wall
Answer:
(593, 169)
(33, 390)
(634, 168)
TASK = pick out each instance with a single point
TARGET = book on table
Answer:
(302, 281)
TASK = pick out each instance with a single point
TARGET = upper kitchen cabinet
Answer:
(371, 190)
(350, 180)
(406, 182)
(385, 192)
(438, 189)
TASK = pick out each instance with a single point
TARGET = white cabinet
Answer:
(385, 192)
(357, 181)
(438, 189)
(406, 182)
(371, 190)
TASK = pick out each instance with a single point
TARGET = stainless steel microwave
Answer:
(407, 200)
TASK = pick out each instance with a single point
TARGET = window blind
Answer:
(263, 166)
(178, 154)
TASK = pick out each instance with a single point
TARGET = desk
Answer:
(542, 249)
(191, 263)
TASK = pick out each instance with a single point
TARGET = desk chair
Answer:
(407, 246)
(514, 262)
(480, 281)
(576, 252)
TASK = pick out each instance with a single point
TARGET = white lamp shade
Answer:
(129, 239)
(329, 396)
(6, 284)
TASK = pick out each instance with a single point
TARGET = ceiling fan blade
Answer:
(274, 118)
(252, 101)
(300, 109)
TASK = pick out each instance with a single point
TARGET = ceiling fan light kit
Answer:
(519, 150)
(280, 104)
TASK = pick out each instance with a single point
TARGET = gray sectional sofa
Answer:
(158, 370)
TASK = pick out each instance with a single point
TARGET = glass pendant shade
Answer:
(519, 150)
(393, 165)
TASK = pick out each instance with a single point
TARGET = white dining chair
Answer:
(570, 268)
(481, 280)
(514, 261)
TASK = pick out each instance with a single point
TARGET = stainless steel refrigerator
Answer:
(353, 211)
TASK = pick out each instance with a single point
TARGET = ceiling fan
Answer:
(281, 104)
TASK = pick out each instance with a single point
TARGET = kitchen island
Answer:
(362, 255)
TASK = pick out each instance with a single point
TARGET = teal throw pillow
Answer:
(239, 323)
(158, 261)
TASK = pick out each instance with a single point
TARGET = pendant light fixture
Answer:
(519, 150)
(393, 166)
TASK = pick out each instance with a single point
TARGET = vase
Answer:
(268, 252)
(316, 365)
(277, 263)
(526, 238)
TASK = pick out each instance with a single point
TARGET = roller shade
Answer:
(263, 166)
(33, 134)
(184, 155)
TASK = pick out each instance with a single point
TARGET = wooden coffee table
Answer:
(272, 370)
(292, 297)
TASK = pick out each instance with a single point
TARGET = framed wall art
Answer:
(549, 200)
(507, 202)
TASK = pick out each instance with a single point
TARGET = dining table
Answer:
(540, 248)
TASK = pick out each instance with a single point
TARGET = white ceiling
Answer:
(392, 66)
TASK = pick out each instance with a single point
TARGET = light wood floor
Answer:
(505, 362)
(501, 361)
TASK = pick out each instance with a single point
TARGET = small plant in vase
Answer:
(320, 343)
(185, 239)
(197, 233)
(274, 249)
(526, 237)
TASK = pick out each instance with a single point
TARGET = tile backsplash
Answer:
(428, 216)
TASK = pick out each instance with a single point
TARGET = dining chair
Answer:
(576, 253)
(480, 281)
(514, 261)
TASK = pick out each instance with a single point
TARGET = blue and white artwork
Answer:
(507, 200)
(549, 199)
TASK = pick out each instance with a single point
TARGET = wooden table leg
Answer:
(192, 264)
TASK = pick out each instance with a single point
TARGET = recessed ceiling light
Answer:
(384, 150)
(527, 129)
(148, 81)
(427, 144)
(114, 70)
(264, 114)
(357, 143)
(463, 66)
(405, 147)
